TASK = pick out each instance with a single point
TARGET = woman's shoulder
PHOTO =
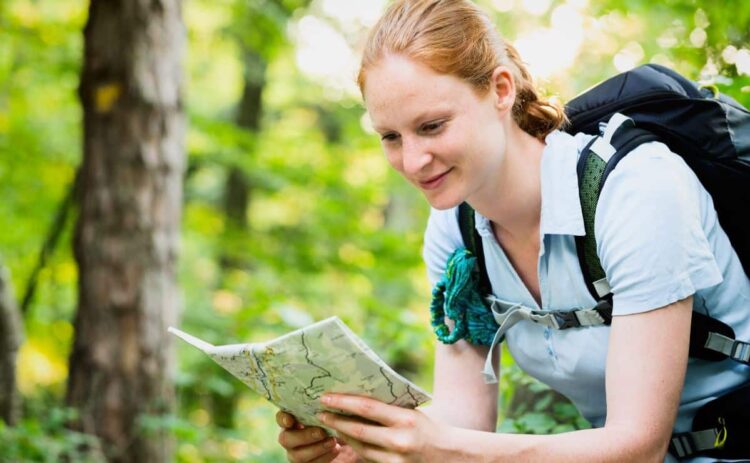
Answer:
(443, 228)
(653, 184)
(653, 174)
(653, 155)
(442, 236)
(652, 228)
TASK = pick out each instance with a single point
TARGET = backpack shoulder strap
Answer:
(473, 243)
(598, 159)
(710, 338)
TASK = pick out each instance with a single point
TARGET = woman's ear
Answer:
(503, 88)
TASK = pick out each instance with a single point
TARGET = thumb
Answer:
(286, 420)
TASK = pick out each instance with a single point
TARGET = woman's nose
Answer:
(415, 157)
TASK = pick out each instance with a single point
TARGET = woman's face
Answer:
(435, 129)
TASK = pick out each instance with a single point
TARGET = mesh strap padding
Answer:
(589, 192)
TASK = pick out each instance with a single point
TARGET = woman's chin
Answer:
(442, 201)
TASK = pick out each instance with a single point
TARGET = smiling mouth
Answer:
(434, 182)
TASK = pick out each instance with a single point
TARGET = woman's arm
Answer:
(646, 365)
(460, 396)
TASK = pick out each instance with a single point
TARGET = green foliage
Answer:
(39, 122)
(44, 438)
(260, 25)
(331, 230)
(540, 410)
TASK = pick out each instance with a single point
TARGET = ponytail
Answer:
(535, 115)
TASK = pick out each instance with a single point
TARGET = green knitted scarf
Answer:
(457, 297)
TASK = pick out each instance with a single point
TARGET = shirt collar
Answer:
(561, 203)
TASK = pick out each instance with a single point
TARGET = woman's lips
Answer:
(434, 182)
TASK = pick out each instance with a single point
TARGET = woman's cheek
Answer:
(394, 159)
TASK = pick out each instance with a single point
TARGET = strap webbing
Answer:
(507, 314)
(689, 443)
(732, 348)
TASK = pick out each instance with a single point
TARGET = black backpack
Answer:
(712, 134)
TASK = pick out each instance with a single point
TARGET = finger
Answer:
(285, 420)
(365, 407)
(327, 458)
(330, 456)
(312, 452)
(350, 442)
(346, 453)
(291, 438)
(368, 452)
(351, 429)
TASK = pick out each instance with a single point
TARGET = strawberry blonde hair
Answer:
(455, 37)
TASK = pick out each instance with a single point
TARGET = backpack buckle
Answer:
(604, 309)
(740, 351)
(566, 320)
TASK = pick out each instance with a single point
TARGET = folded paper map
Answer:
(294, 370)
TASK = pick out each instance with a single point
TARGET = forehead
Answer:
(398, 89)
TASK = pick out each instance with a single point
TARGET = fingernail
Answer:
(318, 434)
(325, 399)
(287, 421)
(322, 417)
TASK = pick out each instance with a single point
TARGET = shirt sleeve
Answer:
(442, 236)
(649, 232)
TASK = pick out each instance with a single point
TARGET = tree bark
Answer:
(127, 235)
(11, 336)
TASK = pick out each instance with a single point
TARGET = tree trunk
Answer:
(127, 235)
(11, 336)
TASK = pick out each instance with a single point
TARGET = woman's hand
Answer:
(386, 433)
(310, 444)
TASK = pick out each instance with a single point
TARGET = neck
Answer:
(514, 202)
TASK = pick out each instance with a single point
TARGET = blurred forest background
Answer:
(231, 184)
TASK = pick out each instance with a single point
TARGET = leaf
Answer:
(537, 423)
(565, 411)
(560, 428)
(543, 403)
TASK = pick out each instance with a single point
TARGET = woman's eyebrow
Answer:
(425, 116)
(430, 115)
(380, 129)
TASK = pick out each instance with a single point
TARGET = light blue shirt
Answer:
(658, 240)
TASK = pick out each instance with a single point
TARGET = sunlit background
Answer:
(330, 229)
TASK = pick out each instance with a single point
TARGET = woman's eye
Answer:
(389, 137)
(432, 126)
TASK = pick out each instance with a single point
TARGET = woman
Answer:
(459, 118)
